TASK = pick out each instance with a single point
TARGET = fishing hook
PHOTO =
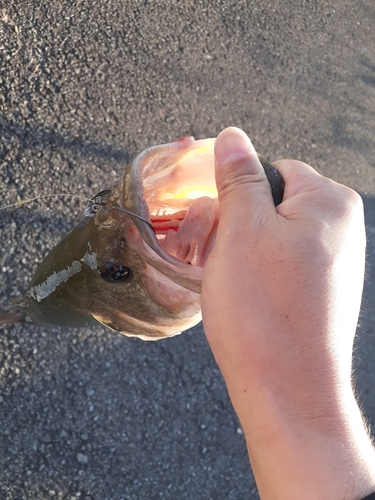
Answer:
(100, 202)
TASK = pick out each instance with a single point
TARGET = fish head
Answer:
(128, 294)
(94, 275)
(149, 238)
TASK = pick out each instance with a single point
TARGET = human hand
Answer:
(281, 295)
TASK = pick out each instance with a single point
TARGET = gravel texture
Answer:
(90, 414)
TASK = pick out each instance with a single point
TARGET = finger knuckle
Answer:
(234, 182)
(351, 201)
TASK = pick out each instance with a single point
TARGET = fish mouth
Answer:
(172, 187)
(172, 190)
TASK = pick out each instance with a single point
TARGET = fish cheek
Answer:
(133, 308)
(142, 301)
(110, 297)
(173, 301)
(126, 307)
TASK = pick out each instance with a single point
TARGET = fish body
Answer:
(135, 261)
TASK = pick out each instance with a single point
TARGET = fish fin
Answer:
(7, 317)
(14, 313)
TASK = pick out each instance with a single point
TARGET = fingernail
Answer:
(231, 144)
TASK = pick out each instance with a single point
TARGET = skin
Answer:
(280, 308)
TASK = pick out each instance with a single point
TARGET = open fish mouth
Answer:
(173, 188)
(181, 197)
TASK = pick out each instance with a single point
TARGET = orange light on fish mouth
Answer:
(163, 223)
(198, 180)
(192, 193)
(179, 172)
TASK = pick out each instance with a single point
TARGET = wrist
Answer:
(307, 455)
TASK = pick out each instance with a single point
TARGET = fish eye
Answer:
(114, 272)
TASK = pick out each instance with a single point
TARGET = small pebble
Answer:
(82, 458)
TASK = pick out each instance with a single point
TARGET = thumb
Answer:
(243, 188)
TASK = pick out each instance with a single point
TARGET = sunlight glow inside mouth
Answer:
(191, 193)
(201, 150)
(180, 192)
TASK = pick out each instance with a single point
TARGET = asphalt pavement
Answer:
(85, 85)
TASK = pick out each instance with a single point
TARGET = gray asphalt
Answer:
(85, 85)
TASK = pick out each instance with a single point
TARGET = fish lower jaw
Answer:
(148, 331)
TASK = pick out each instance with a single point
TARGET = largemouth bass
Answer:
(135, 261)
